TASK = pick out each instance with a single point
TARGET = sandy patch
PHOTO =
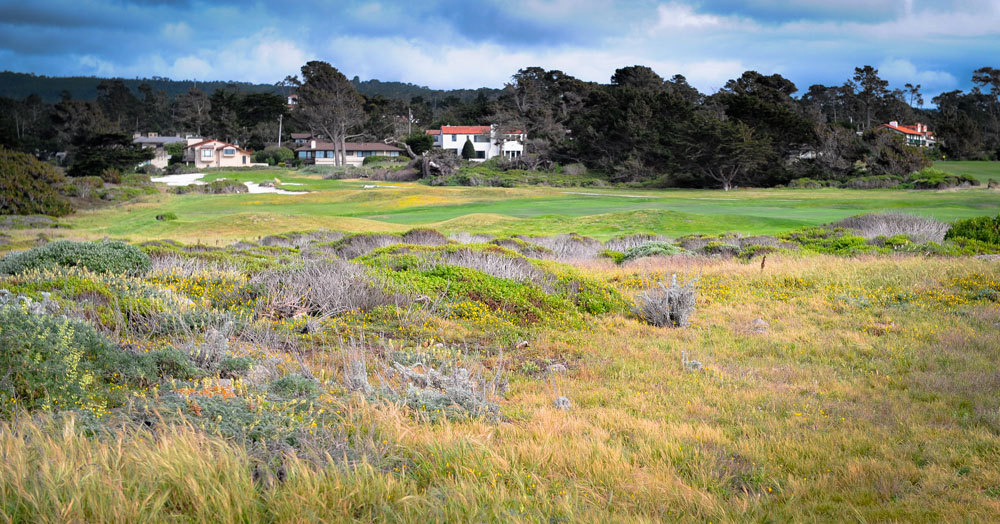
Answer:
(179, 180)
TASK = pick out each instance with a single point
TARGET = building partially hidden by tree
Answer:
(916, 135)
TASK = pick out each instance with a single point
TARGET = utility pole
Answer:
(280, 117)
(409, 122)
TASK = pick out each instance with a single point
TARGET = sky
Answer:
(457, 44)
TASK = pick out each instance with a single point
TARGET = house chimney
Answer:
(152, 134)
(312, 144)
(894, 124)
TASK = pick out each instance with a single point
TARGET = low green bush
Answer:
(617, 256)
(56, 363)
(985, 229)
(653, 249)
(293, 386)
(932, 178)
(216, 187)
(380, 159)
(100, 257)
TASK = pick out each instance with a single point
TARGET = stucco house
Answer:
(915, 135)
(488, 141)
(322, 153)
(216, 153)
(159, 146)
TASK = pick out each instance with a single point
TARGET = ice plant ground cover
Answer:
(415, 377)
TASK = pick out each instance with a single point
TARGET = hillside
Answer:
(50, 88)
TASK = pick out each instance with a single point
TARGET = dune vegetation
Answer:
(836, 373)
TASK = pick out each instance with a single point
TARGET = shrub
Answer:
(52, 363)
(100, 257)
(167, 216)
(363, 243)
(29, 187)
(874, 182)
(493, 263)
(216, 187)
(809, 183)
(140, 180)
(617, 256)
(326, 288)
(917, 228)
(932, 178)
(653, 249)
(380, 159)
(569, 247)
(626, 242)
(274, 155)
(423, 236)
(667, 306)
(293, 386)
(984, 229)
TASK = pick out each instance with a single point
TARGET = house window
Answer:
(303, 154)
(481, 138)
(244, 159)
(454, 138)
(229, 151)
(207, 153)
(366, 153)
(480, 154)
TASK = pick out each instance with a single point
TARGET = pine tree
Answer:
(468, 150)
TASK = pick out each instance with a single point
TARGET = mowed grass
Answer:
(982, 171)
(870, 397)
(603, 213)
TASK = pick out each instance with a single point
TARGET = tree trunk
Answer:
(343, 150)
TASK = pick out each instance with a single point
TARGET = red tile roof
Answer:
(433, 132)
(465, 130)
(906, 130)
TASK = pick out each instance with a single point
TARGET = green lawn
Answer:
(983, 171)
(346, 205)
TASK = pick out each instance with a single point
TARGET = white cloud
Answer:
(97, 67)
(179, 32)
(900, 71)
(676, 15)
(462, 64)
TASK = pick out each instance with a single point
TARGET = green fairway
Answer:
(982, 171)
(347, 205)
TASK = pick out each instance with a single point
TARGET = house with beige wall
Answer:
(159, 145)
(216, 153)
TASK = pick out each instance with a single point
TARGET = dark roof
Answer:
(301, 135)
(352, 146)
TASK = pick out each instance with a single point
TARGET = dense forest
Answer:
(640, 127)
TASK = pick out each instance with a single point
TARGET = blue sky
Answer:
(455, 44)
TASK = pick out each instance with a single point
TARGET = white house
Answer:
(488, 141)
(322, 153)
(915, 135)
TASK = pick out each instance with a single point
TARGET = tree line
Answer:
(639, 127)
